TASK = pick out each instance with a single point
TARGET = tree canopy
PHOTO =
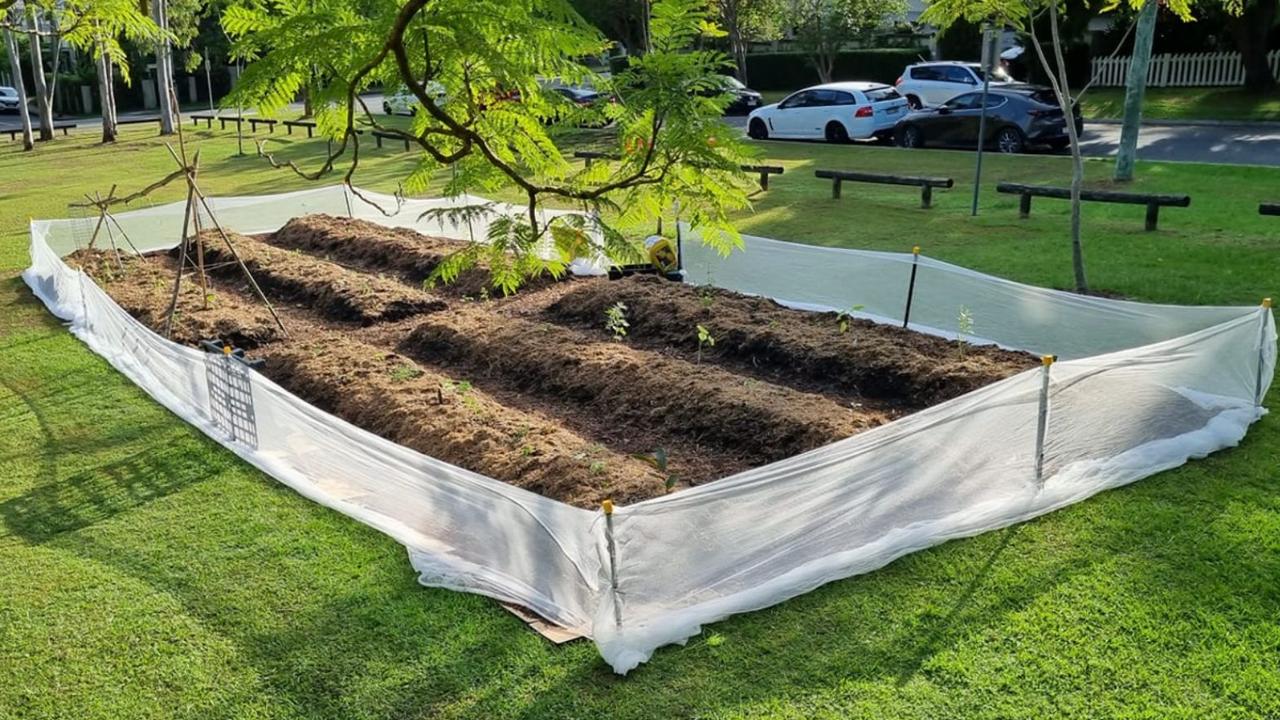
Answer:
(480, 72)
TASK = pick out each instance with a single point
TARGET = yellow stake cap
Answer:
(915, 250)
(226, 349)
(608, 507)
(1048, 359)
(1266, 302)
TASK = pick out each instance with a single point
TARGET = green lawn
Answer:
(145, 572)
(1199, 103)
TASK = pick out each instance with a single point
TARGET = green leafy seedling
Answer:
(615, 320)
(705, 340)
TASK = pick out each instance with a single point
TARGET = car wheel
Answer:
(1009, 140)
(836, 133)
(914, 103)
(386, 108)
(757, 130)
(909, 136)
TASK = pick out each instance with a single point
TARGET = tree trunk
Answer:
(41, 88)
(164, 69)
(1058, 79)
(1135, 88)
(1250, 31)
(15, 67)
(106, 92)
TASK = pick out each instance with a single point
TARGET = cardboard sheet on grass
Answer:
(1140, 388)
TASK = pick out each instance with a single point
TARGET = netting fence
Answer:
(1139, 388)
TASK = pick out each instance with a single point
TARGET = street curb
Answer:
(1264, 125)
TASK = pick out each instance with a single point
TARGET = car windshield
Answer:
(8, 92)
(999, 74)
(733, 83)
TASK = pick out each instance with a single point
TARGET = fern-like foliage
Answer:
(488, 120)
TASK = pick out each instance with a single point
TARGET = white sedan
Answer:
(835, 112)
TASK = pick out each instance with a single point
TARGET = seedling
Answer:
(615, 320)
(964, 326)
(705, 339)
(706, 296)
(659, 462)
(405, 373)
(597, 467)
(844, 316)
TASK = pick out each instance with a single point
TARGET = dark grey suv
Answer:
(1018, 116)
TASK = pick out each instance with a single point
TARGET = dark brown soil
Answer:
(410, 255)
(874, 361)
(621, 385)
(144, 290)
(332, 290)
(557, 405)
(455, 422)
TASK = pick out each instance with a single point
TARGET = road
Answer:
(1230, 144)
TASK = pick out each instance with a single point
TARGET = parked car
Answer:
(402, 102)
(8, 99)
(933, 83)
(744, 98)
(585, 97)
(835, 112)
(1017, 116)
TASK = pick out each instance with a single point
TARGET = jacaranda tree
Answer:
(481, 72)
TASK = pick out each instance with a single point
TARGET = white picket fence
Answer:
(1190, 70)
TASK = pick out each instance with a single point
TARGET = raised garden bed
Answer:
(533, 389)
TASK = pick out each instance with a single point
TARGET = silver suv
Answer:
(933, 83)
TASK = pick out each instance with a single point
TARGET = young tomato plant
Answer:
(615, 320)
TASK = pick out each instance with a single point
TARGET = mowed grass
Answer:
(1195, 103)
(145, 572)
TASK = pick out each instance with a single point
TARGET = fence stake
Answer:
(1042, 421)
(911, 286)
(607, 506)
(1262, 340)
(347, 197)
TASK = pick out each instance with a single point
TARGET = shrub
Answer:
(792, 71)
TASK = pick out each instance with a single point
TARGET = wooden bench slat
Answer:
(1109, 196)
(926, 184)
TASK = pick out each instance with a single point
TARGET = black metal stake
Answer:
(911, 287)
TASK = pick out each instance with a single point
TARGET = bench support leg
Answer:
(926, 197)
(1024, 206)
(764, 181)
(835, 189)
(1153, 216)
(406, 144)
(309, 128)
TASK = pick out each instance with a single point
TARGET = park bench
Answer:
(138, 121)
(1269, 208)
(310, 125)
(1152, 201)
(926, 184)
(208, 120)
(379, 136)
(764, 171)
(253, 124)
(14, 132)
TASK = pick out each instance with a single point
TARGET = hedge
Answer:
(791, 71)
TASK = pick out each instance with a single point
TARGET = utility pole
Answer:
(1135, 88)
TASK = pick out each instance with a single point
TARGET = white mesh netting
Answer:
(1140, 388)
